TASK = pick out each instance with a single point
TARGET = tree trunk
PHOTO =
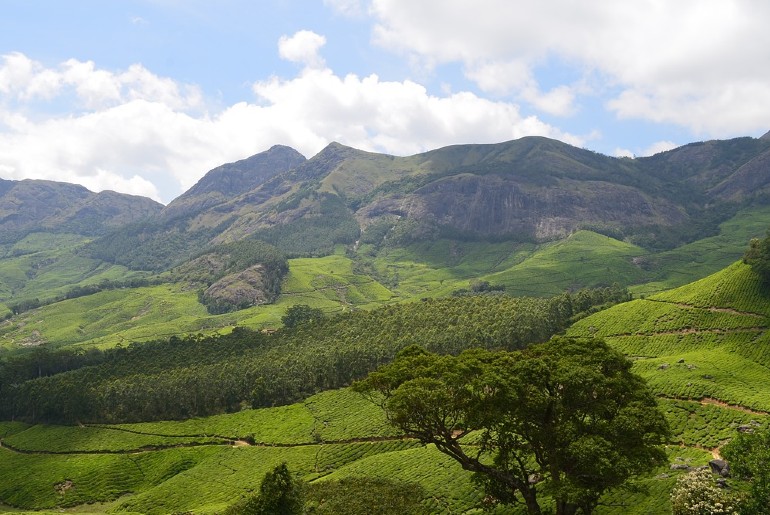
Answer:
(566, 508)
(530, 499)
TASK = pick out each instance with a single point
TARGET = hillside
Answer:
(359, 229)
(528, 190)
(703, 348)
(45, 206)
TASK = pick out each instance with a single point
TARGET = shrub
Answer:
(696, 493)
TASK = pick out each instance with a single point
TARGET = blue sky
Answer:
(145, 96)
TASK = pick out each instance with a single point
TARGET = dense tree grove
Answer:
(301, 314)
(566, 418)
(197, 376)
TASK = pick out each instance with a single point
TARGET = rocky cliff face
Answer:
(498, 205)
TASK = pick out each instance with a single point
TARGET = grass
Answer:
(436, 268)
(48, 481)
(73, 439)
(704, 349)
(706, 256)
(585, 259)
(206, 479)
(331, 416)
(110, 317)
(46, 265)
(43, 264)
(448, 488)
(698, 424)
(100, 464)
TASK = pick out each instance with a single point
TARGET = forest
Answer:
(197, 376)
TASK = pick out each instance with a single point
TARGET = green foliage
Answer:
(225, 260)
(757, 256)
(317, 233)
(71, 439)
(364, 496)
(196, 376)
(697, 494)
(703, 424)
(569, 412)
(301, 314)
(279, 494)
(447, 488)
(749, 458)
(149, 245)
(705, 256)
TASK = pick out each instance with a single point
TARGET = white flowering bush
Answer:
(696, 493)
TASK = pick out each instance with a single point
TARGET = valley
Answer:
(145, 366)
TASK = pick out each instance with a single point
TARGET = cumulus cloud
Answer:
(303, 47)
(23, 79)
(139, 133)
(385, 116)
(694, 63)
(658, 147)
(655, 148)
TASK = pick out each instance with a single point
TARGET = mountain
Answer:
(532, 189)
(350, 229)
(33, 205)
(233, 179)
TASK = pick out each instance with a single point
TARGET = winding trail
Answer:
(222, 443)
(713, 309)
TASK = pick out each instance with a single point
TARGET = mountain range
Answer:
(532, 189)
(534, 216)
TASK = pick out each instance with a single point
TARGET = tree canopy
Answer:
(566, 419)
(279, 494)
(749, 457)
(758, 257)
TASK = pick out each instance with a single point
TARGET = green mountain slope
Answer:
(525, 215)
(46, 206)
(703, 347)
(170, 466)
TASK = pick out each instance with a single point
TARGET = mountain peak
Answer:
(232, 179)
(766, 136)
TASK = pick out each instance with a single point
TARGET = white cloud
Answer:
(695, 63)
(350, 8)
(623, 152)
(392, 117)
(303, 47)
(658, 147)
(148, 135)
(655, 148)
(23, 79)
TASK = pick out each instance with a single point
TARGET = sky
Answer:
(145, 96)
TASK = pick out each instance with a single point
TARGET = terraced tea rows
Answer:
(703, 348)
(163, 462)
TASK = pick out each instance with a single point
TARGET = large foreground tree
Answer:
(566, 419)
